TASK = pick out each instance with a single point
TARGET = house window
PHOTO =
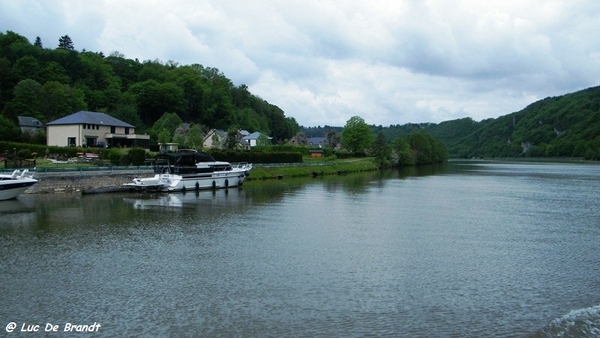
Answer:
(126, 130)
(90, 141)
(71, 141)
(112, 130)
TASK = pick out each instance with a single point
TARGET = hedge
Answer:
(117, 156)
(256, 156)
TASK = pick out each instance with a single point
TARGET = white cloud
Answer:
(322, 62)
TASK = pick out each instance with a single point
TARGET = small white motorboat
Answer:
(12, 185)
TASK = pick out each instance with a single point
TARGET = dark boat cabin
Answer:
(188, 163)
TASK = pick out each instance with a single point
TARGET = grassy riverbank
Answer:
(543, 159)
(72, 177)
(312, 168)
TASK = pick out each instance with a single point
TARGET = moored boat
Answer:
(190, 170)
(11, 186)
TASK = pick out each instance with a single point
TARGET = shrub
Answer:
(114, 156)
(137, 156)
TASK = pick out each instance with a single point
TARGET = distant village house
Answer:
(217, 138)
(30, 125)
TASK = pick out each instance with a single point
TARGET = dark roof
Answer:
(254, 136)
(27, 121)
(221, 132)
(88, 117)
(316, 140)
(183, 154)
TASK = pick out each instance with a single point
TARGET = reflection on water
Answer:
(225, 198)
(464, 249)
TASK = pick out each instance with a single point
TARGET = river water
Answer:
(468, 249)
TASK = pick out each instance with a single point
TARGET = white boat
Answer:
(190, 170)
(12, 185)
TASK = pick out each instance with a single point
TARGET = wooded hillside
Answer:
(49, 83)
(562, 126)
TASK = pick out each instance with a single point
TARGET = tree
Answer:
(38, 42)
(381, 151)
(233, 139)
(169, 122)
(27, 67)
(128, 113)
(332, 138)
(356, 136)
(421, 147)
(65, 43)
(426, 149)
(26, 101)
(9, 130)
(195, 136)
(263, 140)
(55, 72)
(215, 141)
(249, 119)
(60, 100)
(401, 152)
(164, 136)
(154, 99)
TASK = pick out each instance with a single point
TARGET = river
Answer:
(467, 249)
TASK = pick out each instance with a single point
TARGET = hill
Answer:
(561, 126)
(48, 84)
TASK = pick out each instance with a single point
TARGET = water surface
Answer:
(469, 249)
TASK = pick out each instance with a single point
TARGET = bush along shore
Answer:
(90, 183)
(314, 169)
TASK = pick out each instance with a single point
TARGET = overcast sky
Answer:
(324, 61)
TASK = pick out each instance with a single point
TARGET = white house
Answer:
(215, 138)
(250, 140)
(93, 129)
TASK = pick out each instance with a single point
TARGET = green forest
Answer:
(49, 83)
(564, 126)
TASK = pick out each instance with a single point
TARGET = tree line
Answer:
(554, 127)
(417, 148)
(50, 83)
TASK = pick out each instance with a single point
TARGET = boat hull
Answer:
(172, 183)
(12, 189)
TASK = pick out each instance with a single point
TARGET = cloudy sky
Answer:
(324, 61)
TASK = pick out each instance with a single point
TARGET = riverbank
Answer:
(110, 181)
(311, 169)
(77, 183)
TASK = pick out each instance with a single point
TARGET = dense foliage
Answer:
(563, 126)
(417, 148)
(356, 136)
(51, 83)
